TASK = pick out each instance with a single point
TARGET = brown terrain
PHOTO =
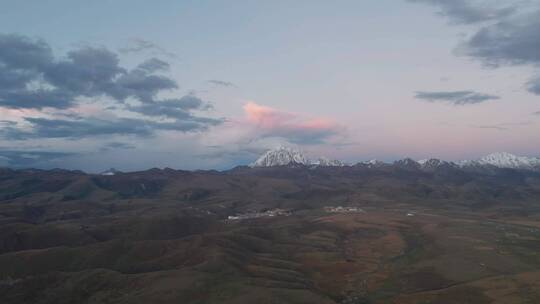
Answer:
(409, 235)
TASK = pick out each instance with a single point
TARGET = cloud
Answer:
(222, 83)
(173, 108)
(116, 146)
(36, 99)
(92, 126)
(455, 97)
(23, 158)
(20, 52)
(536, 113)
(269, 122)
(467, 12)
(32, 79)
(153, 65)
(232, 152)
(503, 126)
(510, 41)
(137, 45)
(512, 37)
(513, 41)
(533, 85)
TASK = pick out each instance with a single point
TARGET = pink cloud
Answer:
(17, 115)
(296, 128)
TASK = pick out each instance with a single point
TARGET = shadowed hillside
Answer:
(404, 235)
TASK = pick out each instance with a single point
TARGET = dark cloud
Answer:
(154, 65)
(36, 99)
(506, 42)
(172, 108)
(513, 41)
(222, 83)
(140, 85)
(86, 72)
(22, 159)
(495, 127)
(536, 113)
(116, 146)
(137, 45)
(511, 38)
(503, 126)
(466, 12)
(85, 127)
(534, 86)
(20, 52)
(32, 78)
(231, 156)
(456, 97)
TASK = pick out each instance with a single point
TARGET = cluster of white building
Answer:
(251, 215)
(340, 209)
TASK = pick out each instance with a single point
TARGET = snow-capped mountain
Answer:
(374, 163)
(281, 156)
(434, 163)
(407, 163)
(111, 171)
(325, 162)
(504, 160)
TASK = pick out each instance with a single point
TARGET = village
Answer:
(252, 215)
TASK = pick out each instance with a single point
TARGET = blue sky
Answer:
(353, 80)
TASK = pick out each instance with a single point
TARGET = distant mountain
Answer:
(434, 163)
(504, 160)
(281, 156)
(374, 163)
(285, 156)
(407, 163)
(325, 162)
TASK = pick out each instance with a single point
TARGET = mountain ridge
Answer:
(285, 156)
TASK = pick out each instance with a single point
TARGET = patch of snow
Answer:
(504, 160)
(111, 171)
(281, 156)
(325, 162)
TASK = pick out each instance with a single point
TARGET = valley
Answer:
(356, 234)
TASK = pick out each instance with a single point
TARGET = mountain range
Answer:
(286, 156)
(287, 230)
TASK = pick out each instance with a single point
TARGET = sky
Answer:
(200, 84)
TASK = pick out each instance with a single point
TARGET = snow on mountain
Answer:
(434, 163)
(111, 171)
(374, 163)
(281, 156)
(504, 160)
(423, 161)
(325, 162)
(407, 163)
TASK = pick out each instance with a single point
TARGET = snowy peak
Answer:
(434, 163)
(407, 163)
(111, 171)
(325, 162)
(505, 160)
(281, 156)
(374, 163)
(284, 156)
